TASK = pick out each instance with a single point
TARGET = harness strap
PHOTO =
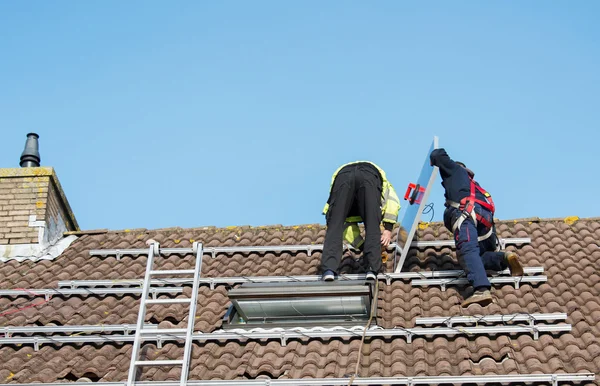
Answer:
(467, 206)
(453, 204)
(486, 236)
(463, 216)
(483, 220)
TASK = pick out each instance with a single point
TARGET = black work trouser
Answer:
(356, 191)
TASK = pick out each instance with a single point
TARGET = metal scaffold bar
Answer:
(284, 335)
(124, 328)
(508, 318)
(516, 280)
(49, 292)
(153, 328)
(309, 248)
(552, 379)
(213, 281)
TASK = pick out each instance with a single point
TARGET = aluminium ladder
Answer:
(141, 332)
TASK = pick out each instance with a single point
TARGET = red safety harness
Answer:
(467, 206)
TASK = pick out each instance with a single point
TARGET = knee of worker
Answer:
(488, 245)
(468, 249)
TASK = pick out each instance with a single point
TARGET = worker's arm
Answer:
(390, 213)
(440, 158)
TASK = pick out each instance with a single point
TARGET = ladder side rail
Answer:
(141, 315)
(192, 315)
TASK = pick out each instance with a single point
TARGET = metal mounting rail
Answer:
(552, 379)
(309, 248)
(516, 280)
(129, 328)
(283, 335)
(49, 292)
(214, 281)
(124, 328)
(508, 318)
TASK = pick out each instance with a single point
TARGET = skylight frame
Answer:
(355, 296)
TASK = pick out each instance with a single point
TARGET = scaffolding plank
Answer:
(420, 380)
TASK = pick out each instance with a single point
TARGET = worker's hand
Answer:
(386, 238)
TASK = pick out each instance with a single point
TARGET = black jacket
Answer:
(455, 178)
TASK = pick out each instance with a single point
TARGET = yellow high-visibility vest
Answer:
(390, 206)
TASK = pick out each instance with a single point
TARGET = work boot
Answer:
(481, 297)
(328, 275)
(512, 260)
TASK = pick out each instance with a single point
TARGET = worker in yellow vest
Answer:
(359, 192)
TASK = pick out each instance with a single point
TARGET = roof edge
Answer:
(568, 220)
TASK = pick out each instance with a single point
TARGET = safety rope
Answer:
(362, 340)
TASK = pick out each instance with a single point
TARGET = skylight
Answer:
(290, 304)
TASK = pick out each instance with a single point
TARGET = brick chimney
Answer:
(34, 211)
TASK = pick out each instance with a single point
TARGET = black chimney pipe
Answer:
(30, 158)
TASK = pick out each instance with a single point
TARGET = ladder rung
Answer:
(158, 331)
(160, 363)
(168, 301)
(173, 272)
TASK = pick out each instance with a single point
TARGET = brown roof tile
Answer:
(569, 252)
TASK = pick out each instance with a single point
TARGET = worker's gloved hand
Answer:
(436, 153)
(386, 238)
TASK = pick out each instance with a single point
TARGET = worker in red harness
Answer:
(470, 215)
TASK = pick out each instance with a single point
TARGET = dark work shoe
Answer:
(514, 265)
(481, 297)
(328, 275)
(371, 275)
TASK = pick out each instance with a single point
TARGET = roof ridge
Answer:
(569, 219)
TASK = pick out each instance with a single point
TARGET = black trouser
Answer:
(356, 191)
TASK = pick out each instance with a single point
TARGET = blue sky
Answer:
(159, 114)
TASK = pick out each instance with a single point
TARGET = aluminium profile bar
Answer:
(49, 292)
(508, 318)
(450, 243)
(213, 251)
(552, 379)
(409, 333)
(77, 329)
(516, 280)
(213, 281)
(284, 335)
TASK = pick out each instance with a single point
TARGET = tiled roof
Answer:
(568, 251)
